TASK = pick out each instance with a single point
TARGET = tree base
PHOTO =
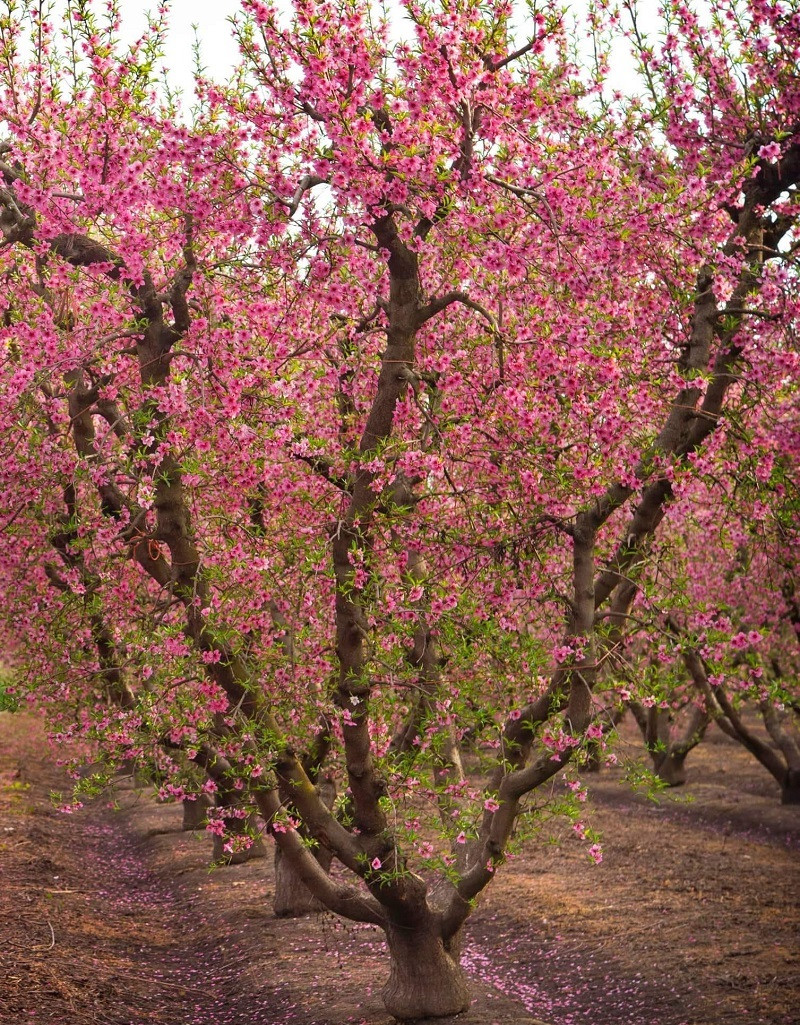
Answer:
(672, 771)
(790, 789)
(292, 897)
(195, 813)
(238, 857)
(426, 981)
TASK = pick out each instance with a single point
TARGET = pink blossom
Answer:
(771, 151)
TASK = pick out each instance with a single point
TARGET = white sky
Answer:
(218, 46)
(219, 51)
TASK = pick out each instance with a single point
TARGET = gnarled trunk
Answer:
(671, 768)
(426, 980)
(195, 813)
(292, 897)
(669, 742)
(238, 827)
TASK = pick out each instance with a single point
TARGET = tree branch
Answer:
(442, 302)
(497, 63)
(307, 183)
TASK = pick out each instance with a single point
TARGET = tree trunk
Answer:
(194, 813)
(426, 980)
(238, 827)
(671, 769)
(292, 897)
(790, 787)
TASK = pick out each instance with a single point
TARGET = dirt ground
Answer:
(113, 918)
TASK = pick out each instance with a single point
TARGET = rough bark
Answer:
(693, 417)
(782, 730)
(426, 980)
(180, 572)
(711, 348)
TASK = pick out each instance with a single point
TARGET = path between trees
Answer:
(112, 918)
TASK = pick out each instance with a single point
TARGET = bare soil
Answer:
(111, 917)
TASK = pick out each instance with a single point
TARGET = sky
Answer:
(219, 49)
(220, 52)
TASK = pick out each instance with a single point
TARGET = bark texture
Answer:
(426, 980)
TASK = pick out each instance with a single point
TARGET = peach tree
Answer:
(343, 404)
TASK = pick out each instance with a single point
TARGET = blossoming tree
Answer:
(737, 636)
(342, 411)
